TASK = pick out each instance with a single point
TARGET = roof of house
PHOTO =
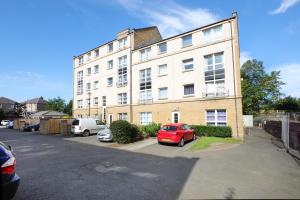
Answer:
(4, 100)
(49, 113)
(37, 100)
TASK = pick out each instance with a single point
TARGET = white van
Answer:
(85, 126)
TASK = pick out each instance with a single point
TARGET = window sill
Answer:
(162, 75)
(188, 70)
(188, 95)
(160, 53)
(166, 98)
(187, 46)
(109, 85)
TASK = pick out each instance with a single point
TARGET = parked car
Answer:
(85, 126)
(4, 122)
(177, 133)
(104, 134)
(10, 125)
(32, 127)
(10, 180)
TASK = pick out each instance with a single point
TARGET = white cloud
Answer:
(284, 6)
(289, 74)
(170, 17)
(245, 56)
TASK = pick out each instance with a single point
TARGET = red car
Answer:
(177, 133)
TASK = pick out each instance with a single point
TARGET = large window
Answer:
(187, 40)
(145, 118)
(145, 86)
(122, 98)
(110, 47)
(103, 100)
(96, 69)
(80, 59)
(162, 70)
(122, 43)
(187, 64)
(122, 116)
(163, 93)
(144, 54)
(216, 117)
(212, 34)
(96, 85)
(79, 103)
(96, 101)
(214, 75)
(110, 64)
(189, 89)
(122, 71)
(88, 86)
(96, 53)
(80, 82)
(162, 48)
(88, 71)
(109, 81)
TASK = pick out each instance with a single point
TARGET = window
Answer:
(162, 70)
(103, 100)
(89, 56)
(80, 82)
(88, 86)
(110, 47)
(188, 64)
(88, 71)
(122, 116)
(212, 34)
(214, 75)
(187, 40)
(122, 98)
(96, 53)
(80, 59)
(189, 89)
(122, 43)
(109, 81)
(144, 54)
(96, 85)
(162, 48)
(163, 93)
(110, 64)
(87, 103)
(95, 101)
(216, 118)
(79, 103)
(145, 118)
(96, 69)
(145, 86)
(122, 71)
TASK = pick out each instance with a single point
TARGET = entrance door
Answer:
(175, 117)
(110, 118)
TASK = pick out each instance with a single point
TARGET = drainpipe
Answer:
(130, 83)
(234, 78)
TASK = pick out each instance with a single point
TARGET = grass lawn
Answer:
(205, 142)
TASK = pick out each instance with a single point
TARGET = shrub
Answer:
(150, 129)
(123, 132)
(214, 131)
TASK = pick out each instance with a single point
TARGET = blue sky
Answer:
(39, 38)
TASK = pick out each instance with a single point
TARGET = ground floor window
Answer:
(216, 118)
(145, 118)
(122, 116)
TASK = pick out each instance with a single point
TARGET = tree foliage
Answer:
(288, 104)
(260, 90)
(57, 104)
(68, 108)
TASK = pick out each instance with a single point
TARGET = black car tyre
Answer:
(181, 143)
(86, 133)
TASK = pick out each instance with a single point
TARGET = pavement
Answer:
(57, 167)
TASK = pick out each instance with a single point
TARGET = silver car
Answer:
(104, 134)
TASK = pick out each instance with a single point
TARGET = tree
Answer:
(2, 114)
(288, 104)
(68, 108)
(57, 104)
(260, 90)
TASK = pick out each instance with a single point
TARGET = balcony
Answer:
(145, 101)
(216, 94)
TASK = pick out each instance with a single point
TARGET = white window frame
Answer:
(108, 81)
(122, 116)
(211, 34)
(123, 43)
(80, 60)
(173, 118)
(159, 50)
(187, 62)
(159, 93)
(122, 98)
(145, 118)
(192, 94)
(144, 54)
(145, 81)
(96, 85)
(104, 100)
(96, 53)
(80, 82)
(216, 122)
(95, 101)
(88, 86)
(112, 47)
(122, 71)
(96, 69)
(183, 40)
(89, 71)
(79, 104)
(88, 55)
(159, 70)
(110, 64)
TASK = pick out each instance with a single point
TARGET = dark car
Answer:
(34, 127)
(9, 179)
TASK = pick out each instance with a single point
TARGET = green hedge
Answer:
(123, 132)
(150, 129)
(215, 131)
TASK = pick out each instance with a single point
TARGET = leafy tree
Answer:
(288, 104)
(57, 104)
(2, 114)
(68, 108)
(260, 90)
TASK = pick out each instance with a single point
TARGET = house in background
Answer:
(35, 105)
(48, 114)
(7, 104)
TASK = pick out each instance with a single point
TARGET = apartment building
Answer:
(193, 77)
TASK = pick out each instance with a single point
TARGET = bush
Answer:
(150, 129)
(214, 131)
(123, 132)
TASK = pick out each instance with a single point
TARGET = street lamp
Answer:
(89, 93)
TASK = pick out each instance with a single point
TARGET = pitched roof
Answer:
(49, 113)
(5, 100)
(36, 100)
